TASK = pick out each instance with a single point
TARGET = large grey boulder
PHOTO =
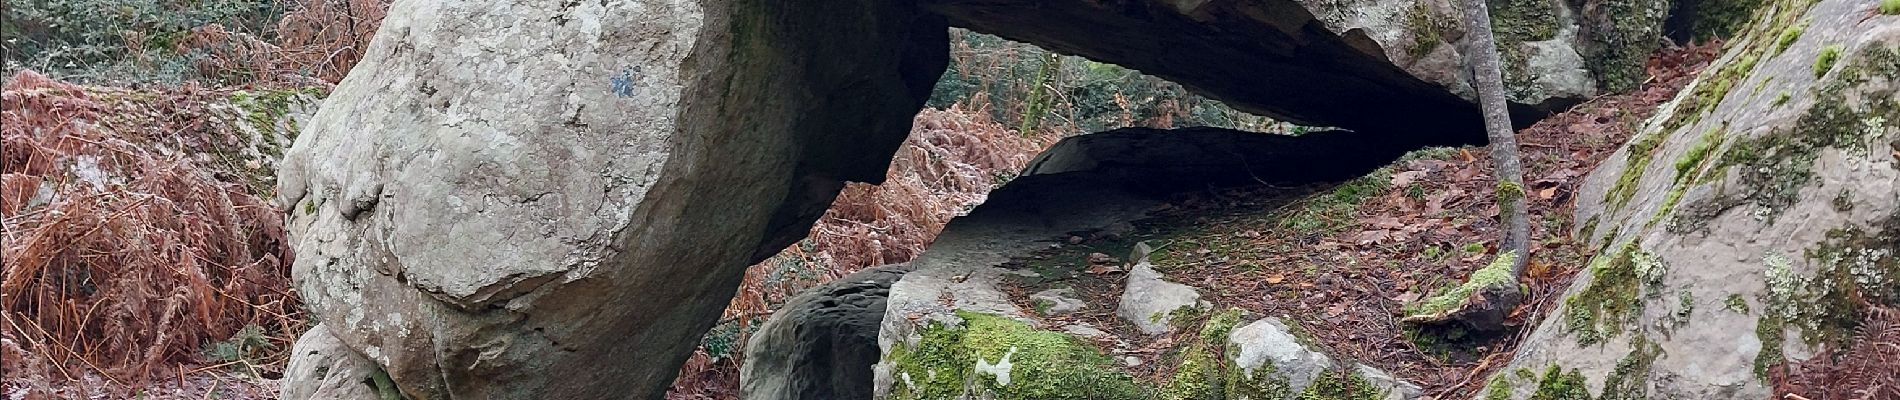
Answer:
(820, 344)
(525, 199)
(1744, 225)
(322, 367)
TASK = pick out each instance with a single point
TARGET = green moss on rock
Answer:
(1497, 388)
(1340, 385)
(1623, 33)
(1558, 384)
(1517, 21)
(1630, 379)
(1789, 35)
(1203, 372)
(1776, 166)
(1002, 358)
(1853, 269)
(1614, 297)
(1825, 62)
(1496, 274)
(1641, 152)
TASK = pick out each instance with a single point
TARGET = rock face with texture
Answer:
(820, 344)
(322, 367)
(1057, 301)
(1151, 302)
(524, 199)
(1743, 226)
(1309, 61)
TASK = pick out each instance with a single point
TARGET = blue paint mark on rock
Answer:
(623, 83)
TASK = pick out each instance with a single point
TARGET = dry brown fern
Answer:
(124, 253)
(1868, 368)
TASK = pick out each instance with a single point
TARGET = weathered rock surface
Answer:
(1311, 61)
(1151, 302)
(1735, 226)
(1168, 160)
(1267, 351)
(1057, 301)
(322, 367)
(524, 199)
(820, 344)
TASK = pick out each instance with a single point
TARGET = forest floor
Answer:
(1363, 248)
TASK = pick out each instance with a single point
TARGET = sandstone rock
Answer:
(322, 367)
(820, 344)
(1150, 302)
(1306, 61)
(1056, 301)
(523, 199)
(1163, 160)
(1732, 217)
(1266, 352)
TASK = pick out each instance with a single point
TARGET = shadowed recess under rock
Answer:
(812, 348)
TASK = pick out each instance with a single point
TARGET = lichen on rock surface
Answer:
(1622, 35)
(1776, 175)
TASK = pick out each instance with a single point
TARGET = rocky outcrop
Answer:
(503, 193)
(524, 199)
(1744, 225)
(1312, 61)
(820, 344)
(951, 329)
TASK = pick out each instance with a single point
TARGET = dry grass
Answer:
(947, 166)
(124, 254)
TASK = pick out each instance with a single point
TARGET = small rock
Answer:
(1149, 301)
(1024, 273)
(1270, 342)
(1075, 239)
(1131, 361)
(1084, 330)
(1099, 258)
(1056, 301)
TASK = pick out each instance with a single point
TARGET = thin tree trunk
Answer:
(1483, 57)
